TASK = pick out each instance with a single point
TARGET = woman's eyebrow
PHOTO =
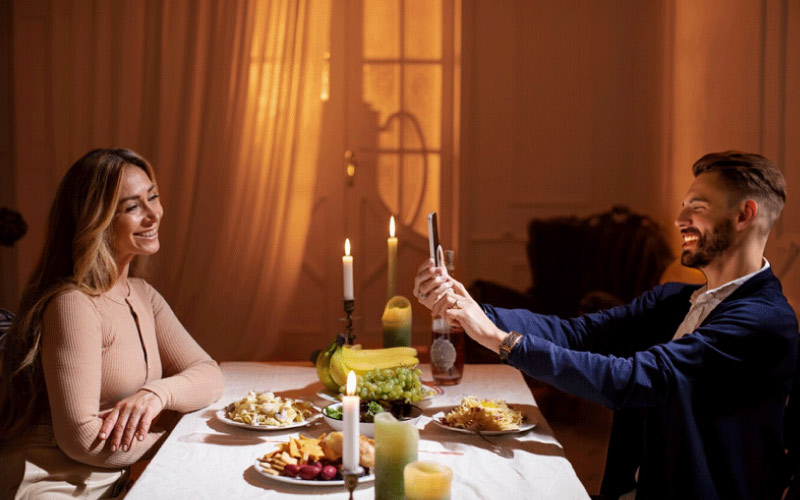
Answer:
(136, 195)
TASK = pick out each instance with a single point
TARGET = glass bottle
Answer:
(447, 343)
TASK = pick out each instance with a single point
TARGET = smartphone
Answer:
(433, 237)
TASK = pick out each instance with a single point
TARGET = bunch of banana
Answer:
(324, 361)
(335, 362)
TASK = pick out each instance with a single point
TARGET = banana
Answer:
(364, 360)
(323, 364)
(361, 361)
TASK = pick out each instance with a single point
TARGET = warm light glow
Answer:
(347, 246)
(351, 383)
(391, 227)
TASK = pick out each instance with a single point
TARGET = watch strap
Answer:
(508, 344)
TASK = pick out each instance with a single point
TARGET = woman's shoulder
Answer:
(70, 302)
(71, 297)
(146, 292)
(142, 287)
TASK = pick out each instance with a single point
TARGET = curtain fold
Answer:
(223, 97)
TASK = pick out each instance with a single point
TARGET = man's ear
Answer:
(747, 214)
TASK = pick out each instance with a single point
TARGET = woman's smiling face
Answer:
(138, 216)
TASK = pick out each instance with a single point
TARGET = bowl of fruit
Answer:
(390, 390)
(405, 412)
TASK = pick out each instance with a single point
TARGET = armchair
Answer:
(582, 265)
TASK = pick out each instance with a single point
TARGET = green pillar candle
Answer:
(395, 447)
(396, 321)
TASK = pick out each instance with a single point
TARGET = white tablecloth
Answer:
(206, 458)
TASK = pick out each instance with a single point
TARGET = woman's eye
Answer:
(131, 208)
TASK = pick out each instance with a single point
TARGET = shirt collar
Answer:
(703, 294)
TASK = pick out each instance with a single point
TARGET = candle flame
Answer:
(347, 246)
(391, 227)
(351, 383)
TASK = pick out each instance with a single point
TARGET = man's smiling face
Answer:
(705, 221)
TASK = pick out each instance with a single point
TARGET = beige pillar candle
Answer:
(426, 480)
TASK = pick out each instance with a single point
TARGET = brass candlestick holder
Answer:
(349, 307)
(351, 479)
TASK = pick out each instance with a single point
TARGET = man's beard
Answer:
(709, 246)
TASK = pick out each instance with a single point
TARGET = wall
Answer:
(572, 107)
(562, 114)
(734, 75)
(8, 255)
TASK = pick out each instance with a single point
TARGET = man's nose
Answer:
(682, 220)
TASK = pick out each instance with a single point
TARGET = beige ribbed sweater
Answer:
(98, 350)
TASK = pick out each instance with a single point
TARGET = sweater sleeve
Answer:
(71, 354)
(192, 380)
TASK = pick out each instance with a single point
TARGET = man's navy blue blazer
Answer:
(713, 400)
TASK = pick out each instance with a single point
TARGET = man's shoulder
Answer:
(674, 290)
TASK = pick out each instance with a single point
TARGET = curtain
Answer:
(223, 97)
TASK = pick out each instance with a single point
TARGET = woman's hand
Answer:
(131, 416)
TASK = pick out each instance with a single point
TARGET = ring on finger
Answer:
(455, 304)
(423, 295)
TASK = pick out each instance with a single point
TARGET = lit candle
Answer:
(426, 480)
(391, 282)
(350, 410)
(395, 447)
(347, 265)
(396, 322)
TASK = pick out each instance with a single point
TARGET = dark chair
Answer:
(791, 436)
(582, 265)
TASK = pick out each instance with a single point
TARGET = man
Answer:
(710, 367)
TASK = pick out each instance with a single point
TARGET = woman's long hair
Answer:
(77, 254)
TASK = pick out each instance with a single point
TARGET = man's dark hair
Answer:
(749, 176)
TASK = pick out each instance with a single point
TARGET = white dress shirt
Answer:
(704, 301)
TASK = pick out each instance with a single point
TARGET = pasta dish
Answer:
(264, 408)
(483, 414)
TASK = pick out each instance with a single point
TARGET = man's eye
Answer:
(152, 197)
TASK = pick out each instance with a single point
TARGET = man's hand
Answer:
(431, 282)
(131, 416)
(458, 308)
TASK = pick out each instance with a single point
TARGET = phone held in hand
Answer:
(433, 237)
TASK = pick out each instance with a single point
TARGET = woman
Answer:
(95, 353)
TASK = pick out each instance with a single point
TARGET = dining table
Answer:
(206, 458)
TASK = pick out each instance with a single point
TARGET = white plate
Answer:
(430, 392)
(222, 416)
(309, 482)
(526, 426)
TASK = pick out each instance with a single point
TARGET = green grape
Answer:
(390, 384)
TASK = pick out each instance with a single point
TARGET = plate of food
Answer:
(489, 416)
(404, 412)
(311, 461)
(266, 412)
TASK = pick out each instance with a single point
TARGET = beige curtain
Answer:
(223, 97)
